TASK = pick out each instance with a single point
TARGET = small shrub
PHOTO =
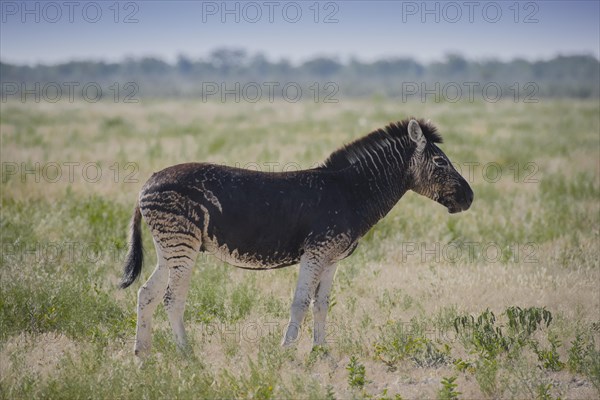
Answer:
(584, 358)
(576, 353)
(524, 321)
(317, 352)
(486, 372)
(464, 365)
(543, 391)
(399, 341)
(448, 390)
(385, 396)
(356, 373)
(549, 357)
(482, 334)
(489, 340)
(330, 394)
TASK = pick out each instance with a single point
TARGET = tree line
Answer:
(226, 70)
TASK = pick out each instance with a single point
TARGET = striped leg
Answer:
(308, 278)
(321, 304)
(180, 271)
(148, 297)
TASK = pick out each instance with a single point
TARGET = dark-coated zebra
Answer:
(259, 220)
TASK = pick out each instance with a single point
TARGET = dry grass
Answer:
(66, 331)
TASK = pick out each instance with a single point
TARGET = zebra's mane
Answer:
(380, 138)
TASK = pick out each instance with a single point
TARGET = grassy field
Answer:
(502, 301)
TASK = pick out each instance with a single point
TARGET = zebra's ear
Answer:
(416, 134)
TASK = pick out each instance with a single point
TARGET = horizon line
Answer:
(344, 60)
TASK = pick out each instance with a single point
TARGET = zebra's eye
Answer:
(440, 161)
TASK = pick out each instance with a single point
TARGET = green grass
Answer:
(408, 319)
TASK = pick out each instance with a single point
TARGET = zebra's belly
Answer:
(264, 259)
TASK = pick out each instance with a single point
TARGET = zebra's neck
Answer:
(379, 176)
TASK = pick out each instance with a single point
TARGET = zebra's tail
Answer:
(135, 255)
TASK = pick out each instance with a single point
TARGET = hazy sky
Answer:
(52, 32)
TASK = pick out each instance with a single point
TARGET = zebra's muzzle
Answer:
(464, 204)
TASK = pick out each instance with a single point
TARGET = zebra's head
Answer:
(433, 174)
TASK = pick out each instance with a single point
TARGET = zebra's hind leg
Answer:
(180, 271)
(321, 304)
(148, 297)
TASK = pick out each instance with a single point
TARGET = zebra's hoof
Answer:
(141, 353)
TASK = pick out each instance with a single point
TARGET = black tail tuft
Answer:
(135, 255)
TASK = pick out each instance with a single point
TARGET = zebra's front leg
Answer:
(321, 304)
(308, 278)
(180, 271)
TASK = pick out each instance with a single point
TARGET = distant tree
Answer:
(453, 67)
(259, 65)
(184, 64)
(456, 65)
(151, 66)
(283, 68)
(398, 66)
(321, 66)
(227, 59)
